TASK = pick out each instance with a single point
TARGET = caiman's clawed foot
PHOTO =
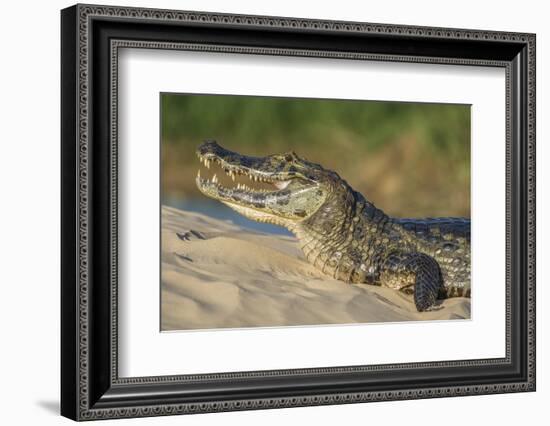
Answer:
(428, 282)
(424, 298)
(404, 270)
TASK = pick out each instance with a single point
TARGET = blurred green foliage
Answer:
(415, 143)
(290, 121)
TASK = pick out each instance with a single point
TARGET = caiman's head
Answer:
(282, 189)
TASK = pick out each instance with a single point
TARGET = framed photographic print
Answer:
(263, 212)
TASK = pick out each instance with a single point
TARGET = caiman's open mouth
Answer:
(244, 179)
(271, 186)
(243, 175)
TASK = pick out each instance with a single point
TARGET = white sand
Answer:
(222, 275)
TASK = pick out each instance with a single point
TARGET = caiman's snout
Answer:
(268, 189)
(210, 147)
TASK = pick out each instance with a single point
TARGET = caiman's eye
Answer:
(291, 156)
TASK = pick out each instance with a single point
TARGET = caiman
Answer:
(340, 232)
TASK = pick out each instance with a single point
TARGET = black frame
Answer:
(91, 37)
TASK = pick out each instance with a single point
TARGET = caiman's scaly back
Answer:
(340, 231)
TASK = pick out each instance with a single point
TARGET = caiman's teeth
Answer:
(233, 173)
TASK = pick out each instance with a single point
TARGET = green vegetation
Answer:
(409, 158)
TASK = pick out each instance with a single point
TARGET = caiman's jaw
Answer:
(266, 189)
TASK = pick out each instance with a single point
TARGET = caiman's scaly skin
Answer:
(340, 231)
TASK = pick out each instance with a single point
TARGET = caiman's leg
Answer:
(404, 270)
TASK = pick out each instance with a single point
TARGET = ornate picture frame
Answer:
(91, 37)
